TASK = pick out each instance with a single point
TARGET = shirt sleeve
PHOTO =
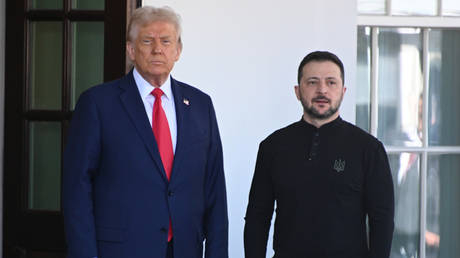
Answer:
(379, 203)
(260, 207)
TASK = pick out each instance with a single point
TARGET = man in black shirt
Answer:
(325, 175)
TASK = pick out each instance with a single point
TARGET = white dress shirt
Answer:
(167, 102)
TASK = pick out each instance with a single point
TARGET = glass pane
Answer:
(451, 7)
(44, 165)
(443, 206)
(371, 6)
(405, 169)
(409, 7)
(400, 86)
(444, 90)
(45, 71)
(87, 57)
(88, 4)
(363, 81)
(45, 4)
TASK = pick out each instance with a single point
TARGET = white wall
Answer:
(245, 54)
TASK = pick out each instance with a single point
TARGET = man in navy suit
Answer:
(120, 197)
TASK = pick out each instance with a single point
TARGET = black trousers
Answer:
(169, 250)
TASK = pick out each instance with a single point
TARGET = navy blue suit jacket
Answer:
(117, 201)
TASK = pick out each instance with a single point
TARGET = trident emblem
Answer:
(339, 165)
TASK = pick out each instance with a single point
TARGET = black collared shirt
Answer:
(324, 182)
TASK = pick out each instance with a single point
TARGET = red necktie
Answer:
(162, 134)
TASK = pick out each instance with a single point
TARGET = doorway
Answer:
(55, 49)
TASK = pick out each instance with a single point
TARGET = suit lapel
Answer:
(182, 109)
(132, 102)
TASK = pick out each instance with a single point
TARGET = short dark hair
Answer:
(321, 56)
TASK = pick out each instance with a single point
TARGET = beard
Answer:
(314, 113)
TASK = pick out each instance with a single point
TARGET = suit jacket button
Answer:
(170, 193)
(164, 230)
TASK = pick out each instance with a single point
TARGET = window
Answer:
(65, 45)
(55, 49)
(408, 88)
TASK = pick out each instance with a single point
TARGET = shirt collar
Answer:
(323, 127)
(146, 88)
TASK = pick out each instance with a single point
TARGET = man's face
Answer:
(321, 90)
(154, 51)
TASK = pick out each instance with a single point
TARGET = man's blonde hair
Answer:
(147, 14)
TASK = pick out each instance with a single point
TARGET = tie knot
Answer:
(157, 93)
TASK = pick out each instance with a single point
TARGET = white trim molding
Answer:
(409, 21)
